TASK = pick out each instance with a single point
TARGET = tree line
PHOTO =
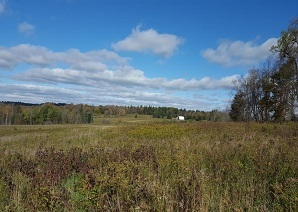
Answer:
(164, 112)
(12, 113)
(270, 92)
(16, 113)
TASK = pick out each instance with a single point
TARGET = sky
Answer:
(172, 53)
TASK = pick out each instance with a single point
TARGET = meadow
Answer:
(137, 163)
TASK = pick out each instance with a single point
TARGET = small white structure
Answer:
(180, 118)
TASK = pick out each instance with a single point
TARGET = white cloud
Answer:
(41, 93)
(26, 28)
(239, 53)
(94, 68)
(163, 45)
(206, 83)
(2, 6)
(41, 56)
(94, 77)
(38, 93)
(133, 79)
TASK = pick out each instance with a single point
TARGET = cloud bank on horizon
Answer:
(107, 75)
(101, 72)
(125, 68)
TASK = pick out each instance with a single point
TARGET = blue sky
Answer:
(180, 53)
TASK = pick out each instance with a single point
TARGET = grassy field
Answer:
(138, 163)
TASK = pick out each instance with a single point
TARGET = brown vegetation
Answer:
(165, 166)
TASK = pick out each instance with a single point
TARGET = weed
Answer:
(165, 166)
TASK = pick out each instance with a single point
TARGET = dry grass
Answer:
(164, 166)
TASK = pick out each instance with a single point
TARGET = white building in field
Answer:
(180, 118)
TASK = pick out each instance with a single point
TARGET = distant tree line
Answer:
(12, 113)
(270, 93)
(164, 112)
(15, 113)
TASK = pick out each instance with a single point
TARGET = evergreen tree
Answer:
(238, 107)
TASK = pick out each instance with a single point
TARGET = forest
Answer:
(19, 113)
(16, 113)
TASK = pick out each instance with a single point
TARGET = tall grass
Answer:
(150, 167)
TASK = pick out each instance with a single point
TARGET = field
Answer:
(142, 164)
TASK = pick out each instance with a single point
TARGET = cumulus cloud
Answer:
(93, 68)
(133, 79)
(41, 93)
(26, 28)
(38, 93)
(206, 83)
(41, 56)
(94, 77)
(163, 45)
(239, 53)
